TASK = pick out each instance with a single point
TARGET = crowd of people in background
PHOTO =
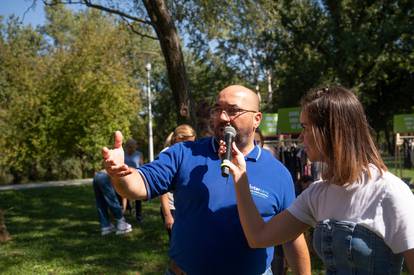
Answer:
(357, 210)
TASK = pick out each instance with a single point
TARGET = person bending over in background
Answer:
(107, 201)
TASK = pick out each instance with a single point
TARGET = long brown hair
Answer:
(342, 134)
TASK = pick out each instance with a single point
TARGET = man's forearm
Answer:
(297, 255)
(131, 186)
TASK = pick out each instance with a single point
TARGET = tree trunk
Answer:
(170, 44)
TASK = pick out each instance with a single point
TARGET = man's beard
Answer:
(241, 138)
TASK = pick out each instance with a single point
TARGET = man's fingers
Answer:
(124, 173)
(105, 152)
(117, 170)
(118, 139)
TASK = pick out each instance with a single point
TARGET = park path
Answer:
(57, 183)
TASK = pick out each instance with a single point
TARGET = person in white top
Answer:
(183, 132)
(362, 213)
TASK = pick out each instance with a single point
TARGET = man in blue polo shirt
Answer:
(207, 237)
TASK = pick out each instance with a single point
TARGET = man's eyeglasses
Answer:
(231, 112)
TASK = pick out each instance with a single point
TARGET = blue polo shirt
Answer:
(207, 237)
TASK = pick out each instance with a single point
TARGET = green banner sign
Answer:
(404, 123)
(268, 125)
(289, 121)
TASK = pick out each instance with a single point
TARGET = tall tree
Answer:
(373, 53)
(366, 46)
(154, 14)
(61, 101)
(251, 37)
(21, 132)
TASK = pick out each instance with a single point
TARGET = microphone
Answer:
(229, 135)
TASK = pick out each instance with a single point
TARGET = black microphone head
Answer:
(229, 130)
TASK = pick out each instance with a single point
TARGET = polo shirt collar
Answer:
(214, 144)
(253, 155)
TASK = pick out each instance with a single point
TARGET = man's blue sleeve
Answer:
(160, 173)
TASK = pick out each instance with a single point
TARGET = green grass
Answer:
(402, 173)
(55, 231)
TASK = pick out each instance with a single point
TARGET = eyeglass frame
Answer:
(217, 110)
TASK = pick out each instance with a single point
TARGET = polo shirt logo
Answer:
(256, 191)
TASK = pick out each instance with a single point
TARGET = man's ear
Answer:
(257, 119)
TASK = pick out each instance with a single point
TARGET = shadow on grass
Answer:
(55, 230)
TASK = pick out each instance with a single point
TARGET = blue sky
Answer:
(34, 16)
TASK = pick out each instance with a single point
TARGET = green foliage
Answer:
(66, 86)
(374, 41)
(21, 102)
(93, 77)
(366, 46)
(60, 103)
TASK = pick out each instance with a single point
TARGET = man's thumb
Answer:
(118, 139)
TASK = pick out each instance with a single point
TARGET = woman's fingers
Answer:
(238, 156)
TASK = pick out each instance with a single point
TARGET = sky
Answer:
(34, 15)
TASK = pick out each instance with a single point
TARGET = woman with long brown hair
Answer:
(362, 213)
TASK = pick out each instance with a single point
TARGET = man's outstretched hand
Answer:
(114, 158)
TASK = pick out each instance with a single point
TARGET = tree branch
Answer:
(89, 3)
(33, 5)
(134, 30)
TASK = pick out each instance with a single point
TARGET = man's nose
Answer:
(224, 116)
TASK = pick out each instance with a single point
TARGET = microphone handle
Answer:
(225, 171)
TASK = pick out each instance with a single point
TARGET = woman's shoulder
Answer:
(317, 187)
(393, 185)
